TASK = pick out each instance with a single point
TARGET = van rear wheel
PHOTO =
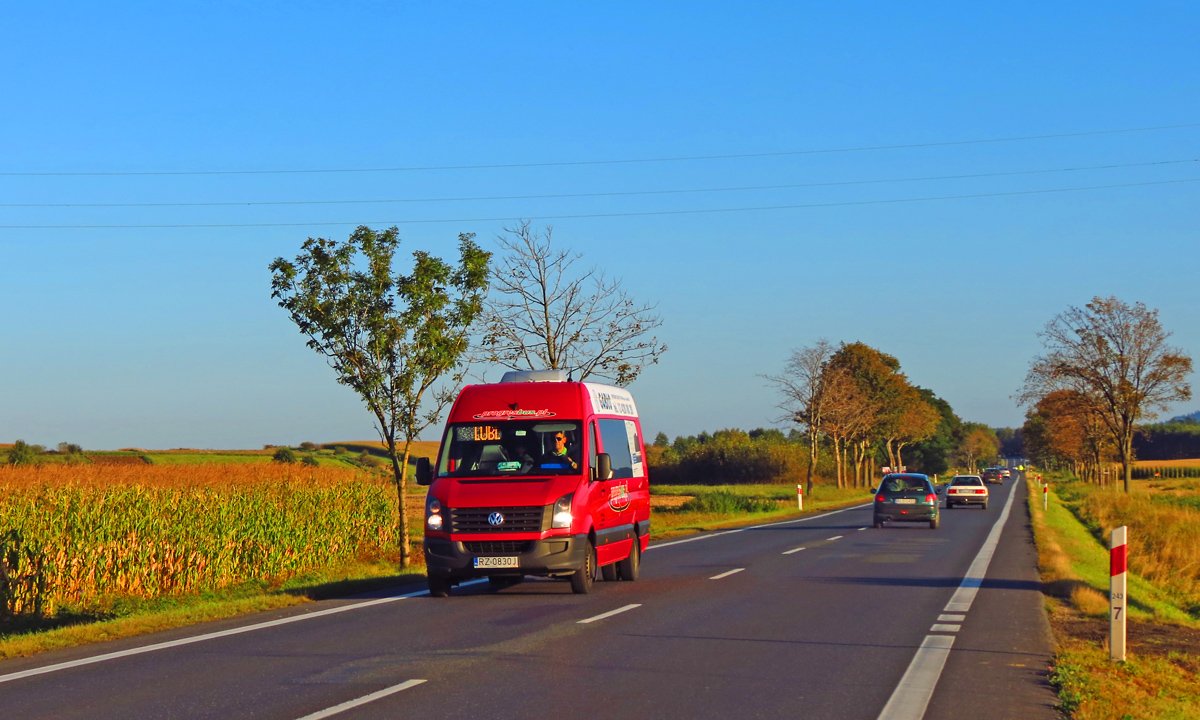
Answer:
(609, 572)
(631, 567)
(583, 578)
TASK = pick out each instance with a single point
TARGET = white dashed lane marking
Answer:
(610, 613)
(793, 550)
(835, 537)
(951, 618)
(343, 707)
(942, 627)
(727, 573)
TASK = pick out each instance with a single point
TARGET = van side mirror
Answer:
(424, 471)
(603, 466)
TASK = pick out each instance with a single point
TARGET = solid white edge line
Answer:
(756, 527)
(911, 696)
(610, 613)
(362, 700)
(210, 636)
(961, 601)
(727, 573)
(793, 550)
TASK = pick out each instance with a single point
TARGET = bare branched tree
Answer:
(1116, 355)
(544, 312)
(803, 390)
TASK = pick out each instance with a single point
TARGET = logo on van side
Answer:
(618, 497)
(615, 403)
(514, 414)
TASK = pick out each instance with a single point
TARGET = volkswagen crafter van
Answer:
(537, 475)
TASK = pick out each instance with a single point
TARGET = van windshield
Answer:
(511, 447)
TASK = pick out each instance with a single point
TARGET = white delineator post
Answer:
(800, 496)
(1117, 597)
(1046, 496)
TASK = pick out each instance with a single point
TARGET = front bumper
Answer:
(454, 559)
(905, 513)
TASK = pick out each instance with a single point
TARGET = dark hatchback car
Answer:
(993, 476)
(906, 497)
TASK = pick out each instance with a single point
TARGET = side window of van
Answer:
(616, 444)
(592, 448)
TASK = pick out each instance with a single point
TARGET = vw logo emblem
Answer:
(495, 519)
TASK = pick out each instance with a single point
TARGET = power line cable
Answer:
(602, 215)
(622, 161)
(596, 194)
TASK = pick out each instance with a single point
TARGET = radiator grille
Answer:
(531, 518)
(498, 547)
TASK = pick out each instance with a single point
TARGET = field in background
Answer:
(88, 534)
(1162, 676)
(1191, 462)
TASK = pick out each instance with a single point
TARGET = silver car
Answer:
(966, 490)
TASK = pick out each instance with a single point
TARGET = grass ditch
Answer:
(1161, 678)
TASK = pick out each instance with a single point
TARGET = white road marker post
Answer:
(1117, 597)
(1045, 496)
(800, 496)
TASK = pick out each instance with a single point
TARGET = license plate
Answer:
(905, 501)
(497, 562)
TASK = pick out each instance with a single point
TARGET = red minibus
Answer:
(537, 475)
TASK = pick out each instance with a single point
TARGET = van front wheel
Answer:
(582, 579)
(631, 566)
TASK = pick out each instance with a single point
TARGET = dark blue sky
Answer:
(166, 337)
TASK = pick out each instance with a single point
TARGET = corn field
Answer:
(73, 535)
(1147, 472)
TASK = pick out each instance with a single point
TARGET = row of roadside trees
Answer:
(854, 399)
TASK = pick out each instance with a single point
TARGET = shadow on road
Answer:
(946, 582)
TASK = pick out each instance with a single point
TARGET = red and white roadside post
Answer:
(1046, 496)
(1117, 597)
(800, 496)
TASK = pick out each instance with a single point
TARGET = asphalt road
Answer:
(861, 623)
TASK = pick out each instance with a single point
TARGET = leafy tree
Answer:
(310, 460)
(1012, 441)
(932, 454)
(67, 448)
(22, 453)
(980, 444)
(878, 378)
(542, 313)
(661, 440)
(284, 455)
(398, 340)
(1117, 356)
(308, 446)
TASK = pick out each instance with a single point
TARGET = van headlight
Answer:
(562, 512)
(433, 514)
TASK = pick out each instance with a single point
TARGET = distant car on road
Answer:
(966, 490)
(906, 497)
(992, 475)
(1005, 473)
